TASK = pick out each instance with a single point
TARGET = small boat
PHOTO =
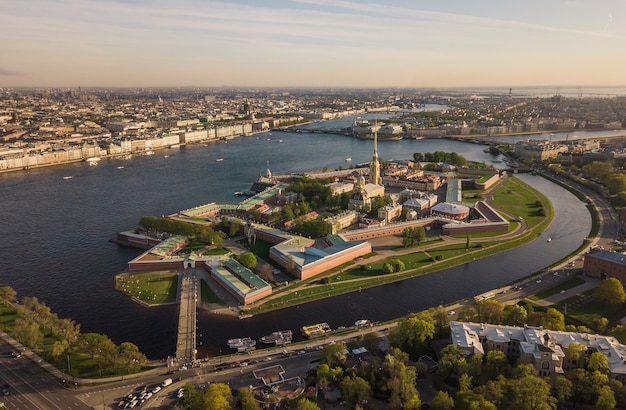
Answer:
(316, 330)
(149, 152)
(362, 322)
(219, 160)
(120, 167)
(68, 177)
(279, 338)
(166, 156)
(348, 159)
(549, 239)
(241, 343)
(92, 159)
(280, 140)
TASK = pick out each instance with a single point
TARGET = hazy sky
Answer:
(413, 43)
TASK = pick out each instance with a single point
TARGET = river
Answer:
(56, 230)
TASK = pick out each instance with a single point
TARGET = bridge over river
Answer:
(188, 297)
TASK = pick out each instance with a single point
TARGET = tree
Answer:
(216, 397)
(304, 404)
(246, 399)
(442, 401)
(514, 315)
(130, 356)
(562, 389)
(248, 260)
(419, 234)
(529, 392)
(619, 332)
(606, 399)
(7, 294)
(411, 334)
(397, 381)
(610, 291)
(334, 354)
(598, 362)
(27, 332)
(354, 390)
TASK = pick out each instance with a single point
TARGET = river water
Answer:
(55, 233)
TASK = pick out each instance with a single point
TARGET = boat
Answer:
(219, 160)
(149, 152)
(242, 344)
(363, 322)
(281, 337)
(92, 159)
(348, 159)
(549, 239)
(120, 167)
(68, 177)
(166, 156)
(316, 330)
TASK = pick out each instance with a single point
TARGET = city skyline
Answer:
(312, 43)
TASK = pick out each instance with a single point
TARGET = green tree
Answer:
(411, 334)
(334, 354)
(619, 332)
(354, 390)
(131, 357)
(217, 396)
(7, 294)
(562, 389)
(248, 260)
(419, 234)
(27, 332)
(442, 401)
(246, 399)
(606, 399)
(598, 362)
(610, 291)
(304, 404)
(514, 315)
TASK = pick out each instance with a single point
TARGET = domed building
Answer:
(448, 210)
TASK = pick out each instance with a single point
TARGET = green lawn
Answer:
(149, 287)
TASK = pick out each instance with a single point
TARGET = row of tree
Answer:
(35, 321)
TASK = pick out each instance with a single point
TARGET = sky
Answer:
(312, 43)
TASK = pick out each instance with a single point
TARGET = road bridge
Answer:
(188, 296)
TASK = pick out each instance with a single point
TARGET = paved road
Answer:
(188, 295)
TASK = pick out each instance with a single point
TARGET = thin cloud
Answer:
(8, 73)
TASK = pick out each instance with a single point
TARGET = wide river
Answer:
(55, 233)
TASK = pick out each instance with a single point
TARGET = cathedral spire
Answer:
(375, 165)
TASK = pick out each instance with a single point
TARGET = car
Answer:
(267, 359)
(156, 389)
(182, 368)
(452, 312)
(301, 352)
(538, 281)
(562, 292)
(243, 364)
(319, 348)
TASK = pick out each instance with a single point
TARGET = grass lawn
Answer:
(216, 251)
(519, 199)
(207, 295)
(259, 248)
(586, 312)
(149, 287)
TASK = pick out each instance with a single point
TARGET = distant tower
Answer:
(375, 165)
(268, 173)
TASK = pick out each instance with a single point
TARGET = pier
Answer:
(188, 294)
